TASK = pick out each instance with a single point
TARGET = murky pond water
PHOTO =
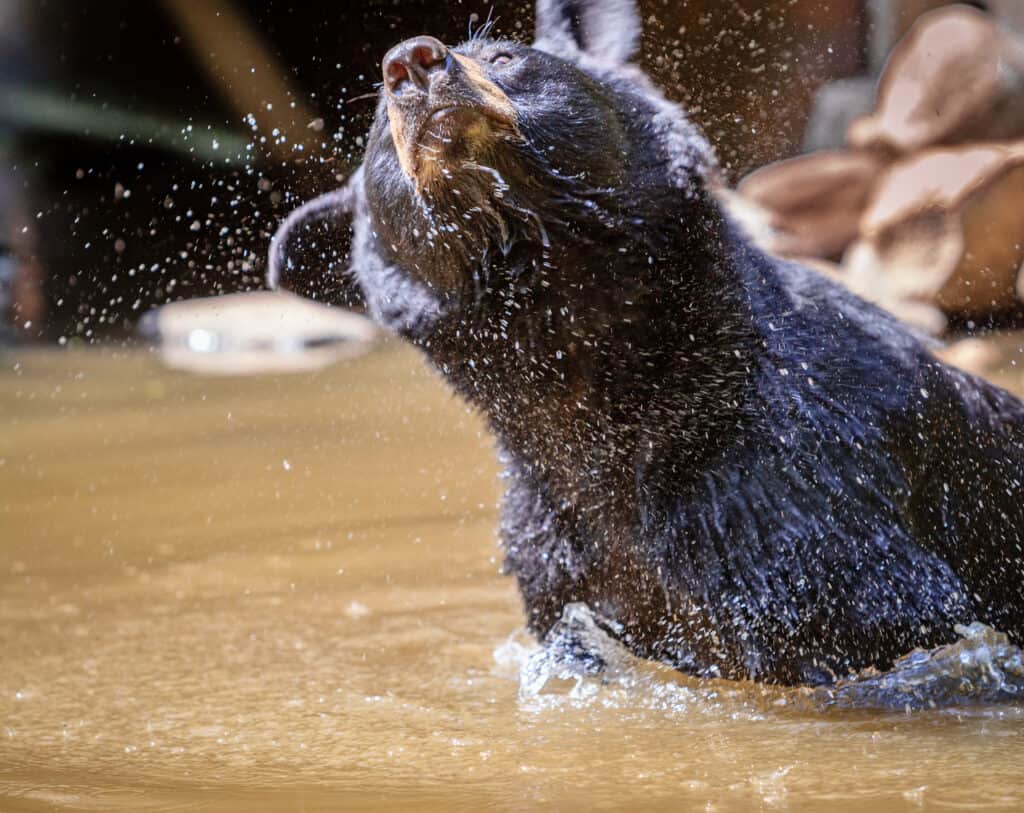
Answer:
(282, 593)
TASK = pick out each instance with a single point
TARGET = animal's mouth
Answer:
(450, 123)
(440, 123)
(442, 113)
(448, 134)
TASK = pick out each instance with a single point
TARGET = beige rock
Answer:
(813, 203)
(866, 274)
(957, 75)
(972, 355)
(944, 228)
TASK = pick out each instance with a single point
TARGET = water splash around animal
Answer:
(981, 668)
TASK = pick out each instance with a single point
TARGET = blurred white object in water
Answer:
(255, 332)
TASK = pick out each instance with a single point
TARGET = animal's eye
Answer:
(501, 58)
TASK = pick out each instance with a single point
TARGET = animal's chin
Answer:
(449, 138)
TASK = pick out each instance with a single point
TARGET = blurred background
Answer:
(147, 150)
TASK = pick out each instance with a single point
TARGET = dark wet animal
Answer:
(745, 470)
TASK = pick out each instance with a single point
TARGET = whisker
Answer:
(485, 30)
(372, 95)
(438, 136)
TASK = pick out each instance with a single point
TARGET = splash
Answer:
(581, 658)
(981, 667)
(582, 664)
(577, 649)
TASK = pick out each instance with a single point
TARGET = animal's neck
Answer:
(640, 346)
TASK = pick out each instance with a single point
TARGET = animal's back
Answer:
(959, 443)
(966, 467)
(871, 503)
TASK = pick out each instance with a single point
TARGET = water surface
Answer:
(282, 593)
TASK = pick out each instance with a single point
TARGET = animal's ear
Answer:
(318, 234)
(605, 30)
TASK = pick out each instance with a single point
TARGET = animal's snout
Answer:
(441, 108)
(411, 63)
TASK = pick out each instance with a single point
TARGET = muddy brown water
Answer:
(282, 593)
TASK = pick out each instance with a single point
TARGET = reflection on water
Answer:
(282, 593)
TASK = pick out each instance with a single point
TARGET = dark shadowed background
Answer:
(132, 176)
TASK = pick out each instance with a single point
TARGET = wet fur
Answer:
(753, 472)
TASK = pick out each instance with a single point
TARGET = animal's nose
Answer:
(414, 61)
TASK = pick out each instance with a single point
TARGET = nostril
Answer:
(427, 57)
(394, 74)
(414, 60)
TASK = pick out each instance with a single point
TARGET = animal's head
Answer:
(492, 161)
(445, 111)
